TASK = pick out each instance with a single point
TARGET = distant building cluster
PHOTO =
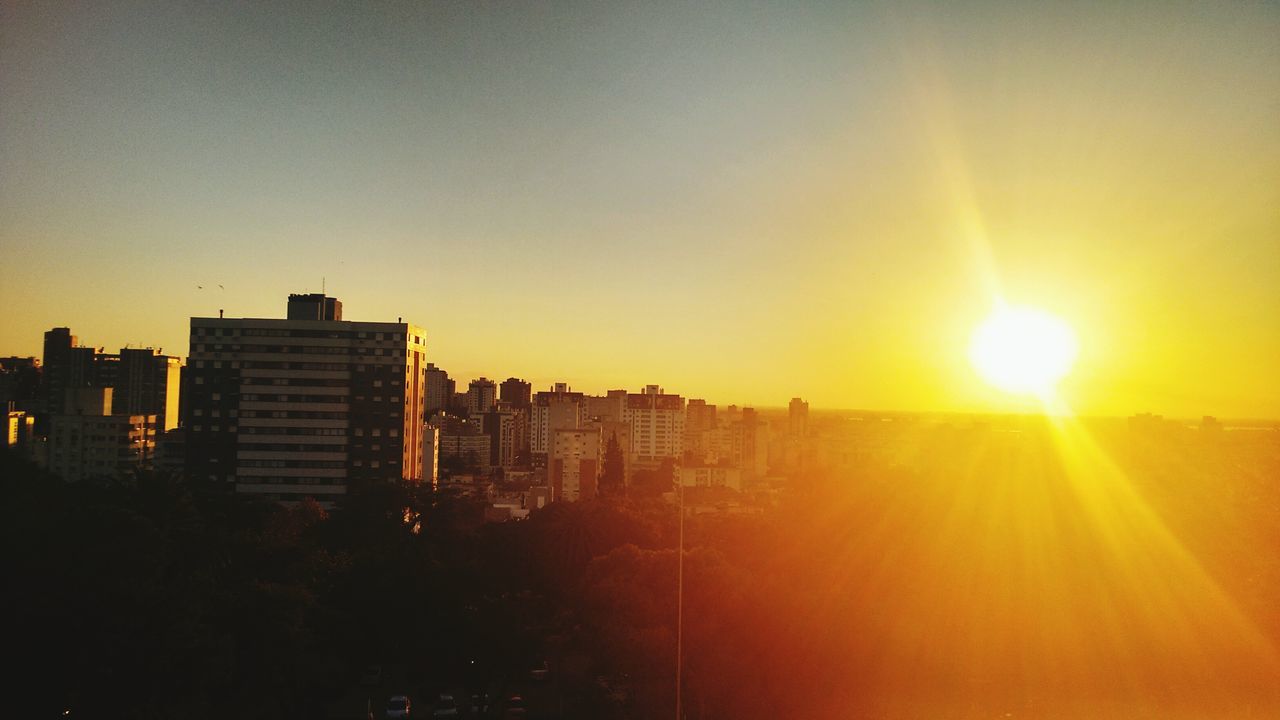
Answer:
(310, 405)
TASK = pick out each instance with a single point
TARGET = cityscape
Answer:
(618, 361)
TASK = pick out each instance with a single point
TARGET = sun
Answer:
(1023, 350)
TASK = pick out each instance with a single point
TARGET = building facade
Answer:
(573, 470)
(299, 408)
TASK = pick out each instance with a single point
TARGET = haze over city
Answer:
(758, 202)
(630, 360)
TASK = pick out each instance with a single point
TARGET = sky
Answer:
(744, 202)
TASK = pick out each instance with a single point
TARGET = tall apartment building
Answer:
(482, 395)
(147, 383)
(508, 430)
(299, 407)
(67, 366)
(657, 426)
(573, 470)
(440, 390)
(699, 418)
(558, 409)
(87, 440)
(516, 393)
(798, 418)
(609, 407)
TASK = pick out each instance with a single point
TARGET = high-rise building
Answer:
(431, 455)
(798, 418)
(698, 420)
(557, 409)
(482, 395)
(516, 393)
(20, 383)
(300, 408)
(440, 390)
(147, 383)
(507, 428)
(657, 426)
(573, 470)
(66, 367)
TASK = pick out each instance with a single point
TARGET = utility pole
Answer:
(679, 599)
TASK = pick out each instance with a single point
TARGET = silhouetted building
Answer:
(20, 383)
(440, 390)
(798, 417)
(147, 383)
(698, 420)
(66, 366)
(314, 306)
(516, 393)
(294, 408)
(482, 395)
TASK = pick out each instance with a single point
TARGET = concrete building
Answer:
(610, 407)
(86, 440)
(798, 418)
(66, 366)
(657, 426)
(19, 430)
(440, 390)
(573, 470)
(482, 396)
(558, 409)
(298, 408)
(471, 450)
(431, 455)
(508, 430)
(20, 383)
(516, 393)
(699, 418)
(711, 476)
(148, 383)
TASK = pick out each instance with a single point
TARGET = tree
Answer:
(611, 476)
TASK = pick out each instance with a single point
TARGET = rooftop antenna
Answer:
(321, 284)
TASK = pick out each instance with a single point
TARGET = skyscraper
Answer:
(304, 407)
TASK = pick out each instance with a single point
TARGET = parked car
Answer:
(515, 708)
(445, 708)
(398, 707)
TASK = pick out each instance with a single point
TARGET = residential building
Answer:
(147, 383)
(573, 469)
(516, 393)
(798, 418)
(298, 408)
(657, 426)
(557, 409)
(711, 476)
(482, 395)
(86, 440)
(440, 390)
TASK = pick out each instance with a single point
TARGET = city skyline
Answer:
(746, 205)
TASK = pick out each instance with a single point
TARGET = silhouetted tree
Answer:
(611, 475)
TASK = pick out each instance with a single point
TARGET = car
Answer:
(445, 707)
(540, 671)
(515, 708)
(398, 707)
